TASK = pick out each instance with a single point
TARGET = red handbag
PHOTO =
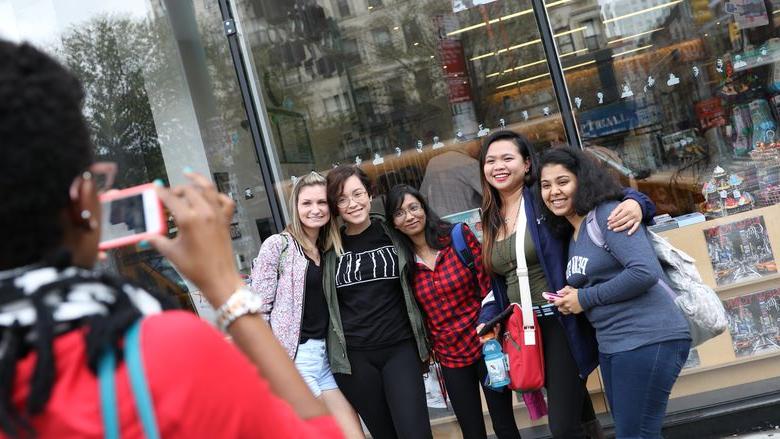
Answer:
(523, 336)
(523, 347)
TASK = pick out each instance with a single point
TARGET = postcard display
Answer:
(736, 254)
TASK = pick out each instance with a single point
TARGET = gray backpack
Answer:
(699, 303)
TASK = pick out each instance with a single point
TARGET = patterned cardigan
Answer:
(279, 278)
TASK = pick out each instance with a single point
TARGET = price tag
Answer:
(737, 193)
(724, 194)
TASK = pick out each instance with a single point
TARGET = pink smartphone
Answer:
(551, 297)
(131, 215)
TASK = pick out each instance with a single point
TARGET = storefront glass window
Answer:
(161, 95)
(680, 100)
(397, 86)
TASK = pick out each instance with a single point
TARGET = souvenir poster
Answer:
(471, 218)
(754, 322)
(740, 251)
(748, 13)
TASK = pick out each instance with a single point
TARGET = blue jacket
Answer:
(553, 256)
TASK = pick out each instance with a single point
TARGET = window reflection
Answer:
(404, 82)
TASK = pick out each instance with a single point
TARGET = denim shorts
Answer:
(312, 363)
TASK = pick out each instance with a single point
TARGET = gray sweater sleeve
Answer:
(634, 253)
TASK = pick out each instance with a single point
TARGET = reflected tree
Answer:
(110, 54)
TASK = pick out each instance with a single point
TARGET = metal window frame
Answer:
(556, 73)
(254, 117)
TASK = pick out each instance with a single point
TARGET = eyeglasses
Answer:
(102, 174)
(357, 196)
(414, 210)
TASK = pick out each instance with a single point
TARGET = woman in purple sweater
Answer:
(642, 335)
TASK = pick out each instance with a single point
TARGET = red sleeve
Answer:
(476, 250)
(202, 386)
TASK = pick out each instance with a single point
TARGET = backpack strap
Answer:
(138, 384)
(461, 248)
(594, 230)
(463, 251)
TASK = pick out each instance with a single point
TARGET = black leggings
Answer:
(568, 401)
(387, 390)
(463, 385)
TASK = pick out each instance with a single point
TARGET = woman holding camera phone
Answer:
(376, 342)
(508, 165)
(58, 315)
(643, 336)
(450, 295)
(287, 275)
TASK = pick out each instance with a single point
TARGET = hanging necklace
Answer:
(513, 218)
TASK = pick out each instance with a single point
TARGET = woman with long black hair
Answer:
(450, 294)
(508, 174)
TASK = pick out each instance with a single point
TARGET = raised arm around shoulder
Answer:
(647, 205)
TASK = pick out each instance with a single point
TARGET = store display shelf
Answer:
(737, 362)
(747, 283)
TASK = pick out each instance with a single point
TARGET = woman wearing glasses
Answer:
(376, 340)
(287, 275)
(450, 295)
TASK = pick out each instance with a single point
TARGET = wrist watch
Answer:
(240, 303)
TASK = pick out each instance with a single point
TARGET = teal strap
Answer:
(106, 367)
(135, 365)
(140, 389)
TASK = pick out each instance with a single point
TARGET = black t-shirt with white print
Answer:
(371, 301)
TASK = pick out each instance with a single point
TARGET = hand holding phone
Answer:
(130, 216)
(551, 296)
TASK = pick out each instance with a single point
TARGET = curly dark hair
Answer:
(45, 144)
(594, 184)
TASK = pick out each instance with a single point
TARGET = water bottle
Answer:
(495, 363)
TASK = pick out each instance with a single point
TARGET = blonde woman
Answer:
(287, 275)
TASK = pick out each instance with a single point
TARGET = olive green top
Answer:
(505, 264)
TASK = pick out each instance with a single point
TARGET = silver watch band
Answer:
(240, 303)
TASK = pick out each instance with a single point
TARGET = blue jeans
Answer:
(638, 383)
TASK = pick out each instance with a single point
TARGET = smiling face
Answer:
(505, 167)
(354, 203)
(559, 186)
(410, 217)
(312, 205)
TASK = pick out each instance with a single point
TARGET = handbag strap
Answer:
(526, 304)
(138, 385)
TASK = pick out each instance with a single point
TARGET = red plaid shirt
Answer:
(451, 305)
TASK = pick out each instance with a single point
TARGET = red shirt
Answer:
(201, 386)
(451, 305)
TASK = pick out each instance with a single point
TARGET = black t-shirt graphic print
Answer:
(371, 301)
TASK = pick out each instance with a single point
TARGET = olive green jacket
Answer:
(337, 345)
